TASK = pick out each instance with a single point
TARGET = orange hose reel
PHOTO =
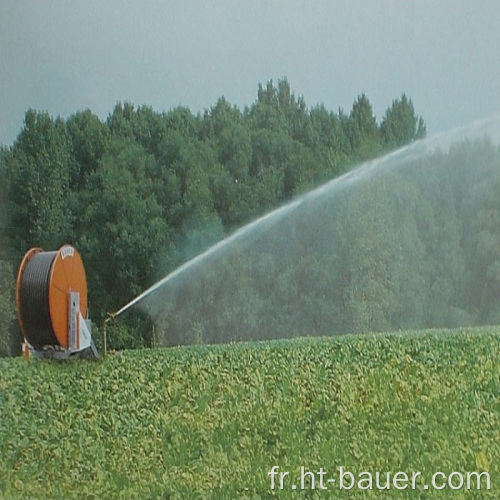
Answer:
(46, 284)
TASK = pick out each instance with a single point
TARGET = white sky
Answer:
(63, 56)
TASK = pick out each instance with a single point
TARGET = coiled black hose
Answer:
(34, 300)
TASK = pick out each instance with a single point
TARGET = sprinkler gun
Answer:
(110, 317)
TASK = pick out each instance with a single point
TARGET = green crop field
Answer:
(212, 421)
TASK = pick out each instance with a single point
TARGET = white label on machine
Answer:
(67, 252)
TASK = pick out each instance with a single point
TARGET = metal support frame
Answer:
(80, 340)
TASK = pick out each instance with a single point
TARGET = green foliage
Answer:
(89, 140)
(211, 421)
(363, 131)
(4, 158)
(38, 176)
(9, 335)
(142, 192)
(400, 124)
(123, 227)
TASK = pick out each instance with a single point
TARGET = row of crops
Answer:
(211, 421)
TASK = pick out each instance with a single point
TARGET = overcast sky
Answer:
(62, 56)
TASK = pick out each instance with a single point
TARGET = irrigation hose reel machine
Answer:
(51, 300)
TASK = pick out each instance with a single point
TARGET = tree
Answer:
(362, 129)
(201, 225)
(9, 336)
(123, 232)
(279, 108)
(10, 341)
(38, 174)
(401, 125)
(4, 158)
(328, 140)
(120, 120)
(89, 139)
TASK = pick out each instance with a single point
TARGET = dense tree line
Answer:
(142, 192)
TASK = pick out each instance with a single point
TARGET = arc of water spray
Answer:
(207, 253)
(441, 142)
(277, 214)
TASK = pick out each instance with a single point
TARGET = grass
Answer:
(211, 421)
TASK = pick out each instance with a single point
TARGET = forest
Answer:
(143, 191)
